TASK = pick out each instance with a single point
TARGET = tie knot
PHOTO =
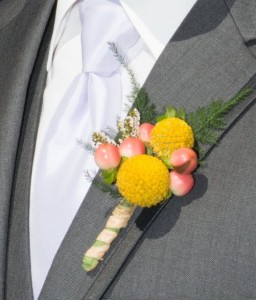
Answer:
(104, 21)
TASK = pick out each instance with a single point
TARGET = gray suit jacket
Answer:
(201, 246)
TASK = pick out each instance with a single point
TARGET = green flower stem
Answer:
(118, 220)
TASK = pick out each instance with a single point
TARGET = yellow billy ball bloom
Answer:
(143, 180)
(171, 134)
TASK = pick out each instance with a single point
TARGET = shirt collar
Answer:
(63, 7)
(155, 32)
(167, 17)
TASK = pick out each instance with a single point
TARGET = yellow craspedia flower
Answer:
(171, 134)
(143, 180)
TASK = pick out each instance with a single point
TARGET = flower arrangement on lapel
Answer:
(152, 157)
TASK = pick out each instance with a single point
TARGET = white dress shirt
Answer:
(52, 211)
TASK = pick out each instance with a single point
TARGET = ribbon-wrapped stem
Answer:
(119, 219)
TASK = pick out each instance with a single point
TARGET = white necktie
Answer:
(101, 76)
(92, 102)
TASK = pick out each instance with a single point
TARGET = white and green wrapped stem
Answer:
(118, 220)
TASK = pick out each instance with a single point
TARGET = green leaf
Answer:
(109, 176)
(170, 111)
(181, 113)
(161, 117)
(169, 195)
(149, 150)
(123, 159)
(166, 161)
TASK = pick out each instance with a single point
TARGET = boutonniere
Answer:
(152, 157)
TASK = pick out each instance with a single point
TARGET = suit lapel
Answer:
(33, 57)
(144, 218)
(196, 67)
(10, 10)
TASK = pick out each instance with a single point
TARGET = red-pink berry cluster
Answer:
(182, 161)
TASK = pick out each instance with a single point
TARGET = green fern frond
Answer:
(107, 188)
(147, 110)
(104, 187)
(135, 85)
(110, 132)
(138, 97)
(86, 146)
(207, 121)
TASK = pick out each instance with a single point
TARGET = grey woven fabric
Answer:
(22, 25)
(201, 246)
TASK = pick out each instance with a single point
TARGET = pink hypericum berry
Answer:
(181, 184)
(184, 160)
(144, 132)
(107, 156)
(131, 147)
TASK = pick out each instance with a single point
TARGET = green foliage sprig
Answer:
(86, 146)
(138, 97)
(103, 186)
(107, 188)
(207, 121)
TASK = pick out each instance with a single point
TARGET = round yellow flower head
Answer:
(171, 134)
(143, 180)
